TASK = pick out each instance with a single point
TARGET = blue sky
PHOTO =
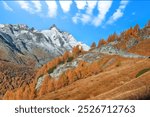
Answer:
(87, 21)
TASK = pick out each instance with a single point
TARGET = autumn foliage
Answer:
(93, 45)
(112, 38)
(77, 50)
(132, 32)
(101, 42)
(13, 76)
(66, 57)
(22, 93)
(27, 90)
(47, 85)
(83, 70)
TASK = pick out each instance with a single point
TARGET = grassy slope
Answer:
(143, 48)
(119, 80)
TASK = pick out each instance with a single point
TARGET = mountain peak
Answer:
(53, 26)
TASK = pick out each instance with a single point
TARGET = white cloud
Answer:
(7, 7)
(123, 4)
(87, 16)
(37, 5)
(103, 8)
(84, 18)
(25, 5)
(76, 18)
(81, 4)
(65, 5)
(52, 8)
(119, 12)
(90, 6)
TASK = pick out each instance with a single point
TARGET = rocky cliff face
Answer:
(24, 45)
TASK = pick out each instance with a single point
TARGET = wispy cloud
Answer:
(88, 17)
(90, 6)
(103, 8)
(119, 12)
(25, 5)
(84, 14)
(76, 18)
(81, 4)
(37, 5)
(84, 18)
(7, 7)
(52, 8)
(123, 4)
(65, 5)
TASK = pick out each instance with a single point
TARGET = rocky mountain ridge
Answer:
(24, 45)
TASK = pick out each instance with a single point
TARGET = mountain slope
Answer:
(127, 48)
(116, 69)
(24, 45)
(106, 83)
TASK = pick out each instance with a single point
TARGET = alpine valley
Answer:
(52, 64)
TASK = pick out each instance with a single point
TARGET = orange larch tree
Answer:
(93, 45)
(44, 86)
(71, 76)
(19, 93)
(66, 55)
(101, 42)
(112, 38)
(76, 50)
(9, 95)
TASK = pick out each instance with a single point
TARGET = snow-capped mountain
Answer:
(21, 44)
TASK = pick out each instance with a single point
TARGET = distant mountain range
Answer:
(23, 45)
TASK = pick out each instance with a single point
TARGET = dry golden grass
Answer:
(138, 88)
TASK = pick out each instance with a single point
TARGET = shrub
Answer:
(51, 70)
(142, 72)
(41, 75)
(70, 59)
(118, 64)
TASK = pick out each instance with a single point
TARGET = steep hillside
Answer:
(112, 83)
(13, 76)
(142, 48)
(24, 49)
